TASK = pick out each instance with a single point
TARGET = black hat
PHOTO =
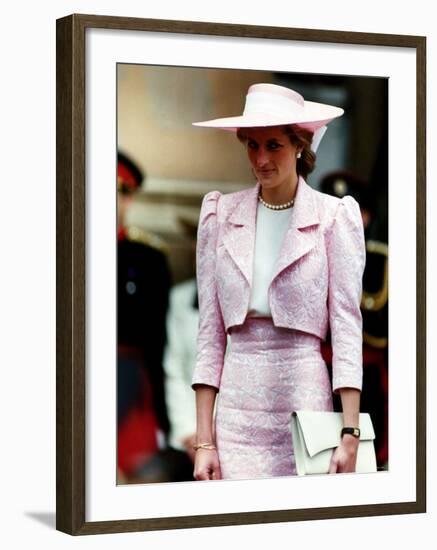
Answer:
(344, 182)
(129, 176)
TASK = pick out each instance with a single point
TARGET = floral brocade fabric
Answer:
(269, 372)
(275, 362)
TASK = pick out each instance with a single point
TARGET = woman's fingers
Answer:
(207, 465)
(202, 475)
(333, 465)
(216, 473)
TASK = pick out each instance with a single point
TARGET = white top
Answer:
(271, 226)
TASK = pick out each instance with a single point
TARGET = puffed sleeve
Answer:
(211, 338)
(346, 257)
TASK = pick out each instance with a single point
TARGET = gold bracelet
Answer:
(207, 446)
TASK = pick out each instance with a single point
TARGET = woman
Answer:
(276, 265)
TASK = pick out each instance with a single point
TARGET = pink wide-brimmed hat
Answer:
(273, 105)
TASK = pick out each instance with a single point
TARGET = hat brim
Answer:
(313, 116)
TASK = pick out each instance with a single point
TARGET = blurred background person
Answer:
(180, 357)
(143, 282)
(374, 308)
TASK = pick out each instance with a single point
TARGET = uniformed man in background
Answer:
(143, 283)
(374, 308)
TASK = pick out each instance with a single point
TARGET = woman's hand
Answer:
(206, 465)
(344, 458)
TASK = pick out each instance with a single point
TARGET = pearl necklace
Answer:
(288, 204)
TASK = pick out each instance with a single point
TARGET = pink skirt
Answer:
(268, 373)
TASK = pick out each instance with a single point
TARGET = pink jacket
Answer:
(317, 281)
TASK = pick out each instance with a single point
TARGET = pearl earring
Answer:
(299, 155)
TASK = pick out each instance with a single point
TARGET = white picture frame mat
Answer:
(105, 500)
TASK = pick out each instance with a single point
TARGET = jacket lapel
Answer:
(297, 240)
(239, 232)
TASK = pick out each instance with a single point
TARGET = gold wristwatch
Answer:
(351, 431)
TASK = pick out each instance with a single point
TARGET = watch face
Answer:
(351, 431)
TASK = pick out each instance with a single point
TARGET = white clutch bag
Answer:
(316, 434)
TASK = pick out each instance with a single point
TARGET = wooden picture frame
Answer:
(71, 273)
